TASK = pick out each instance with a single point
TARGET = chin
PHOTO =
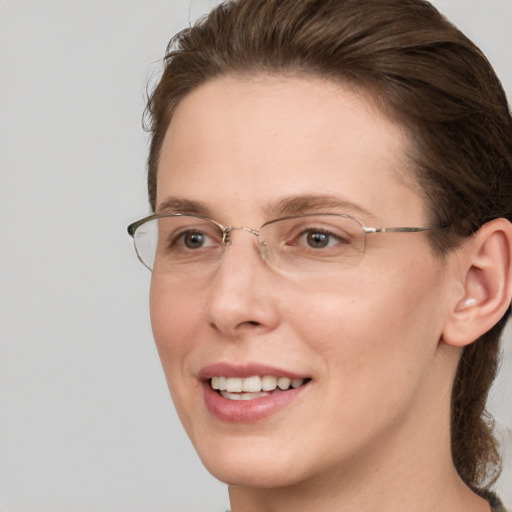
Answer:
(264, 475)
(246, 462)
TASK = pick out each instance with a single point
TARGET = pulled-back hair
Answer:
(423, 72)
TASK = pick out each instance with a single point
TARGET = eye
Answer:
(193, 240)
(182, 236)
(184, 240)
(316, 238)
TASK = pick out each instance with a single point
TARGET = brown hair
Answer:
(423, 72)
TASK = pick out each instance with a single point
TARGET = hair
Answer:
(424, 73)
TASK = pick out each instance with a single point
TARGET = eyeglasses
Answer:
(191, 245)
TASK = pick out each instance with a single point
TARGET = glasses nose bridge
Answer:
(261, 244)
(226, 232)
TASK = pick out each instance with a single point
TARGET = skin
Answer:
(371, 431)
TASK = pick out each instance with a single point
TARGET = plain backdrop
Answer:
(86, 423)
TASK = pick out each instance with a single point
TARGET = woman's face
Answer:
(365, 342)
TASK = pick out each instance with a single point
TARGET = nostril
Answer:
(249, 324)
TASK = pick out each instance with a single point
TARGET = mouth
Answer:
(251, 392)
(253, 387)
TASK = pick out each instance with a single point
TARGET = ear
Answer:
(486, 271)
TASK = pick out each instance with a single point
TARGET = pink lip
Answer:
(246, 411)
(242, 371)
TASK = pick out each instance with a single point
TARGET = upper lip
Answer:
(244, 370)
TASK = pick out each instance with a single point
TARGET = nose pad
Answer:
(264, 250)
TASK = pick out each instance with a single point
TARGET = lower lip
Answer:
(248, 411)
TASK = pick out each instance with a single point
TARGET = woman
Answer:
(331, 253)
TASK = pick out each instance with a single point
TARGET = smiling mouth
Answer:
(249, 388)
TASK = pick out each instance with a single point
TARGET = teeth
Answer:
(297, 382)
(219, 383)
(268, 383)
(234, 385)
(284, 382)
(254, 384)
(242, 396)
(251, 384)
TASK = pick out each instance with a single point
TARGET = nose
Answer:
(242, 294)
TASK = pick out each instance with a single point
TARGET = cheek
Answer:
(373, 325)
(176, 330)
(174, 320)
(376, 350)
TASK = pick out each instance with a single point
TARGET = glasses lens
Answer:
(314, 243)
(180, 243)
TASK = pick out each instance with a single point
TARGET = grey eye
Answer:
(194, 239)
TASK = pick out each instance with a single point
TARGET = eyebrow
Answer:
(182, 205)
(290, 205)
(316, 203)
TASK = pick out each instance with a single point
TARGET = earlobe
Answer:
(487, 284)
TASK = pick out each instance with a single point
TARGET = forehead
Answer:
(267, 137)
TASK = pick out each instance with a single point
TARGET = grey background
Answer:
(86, 423)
